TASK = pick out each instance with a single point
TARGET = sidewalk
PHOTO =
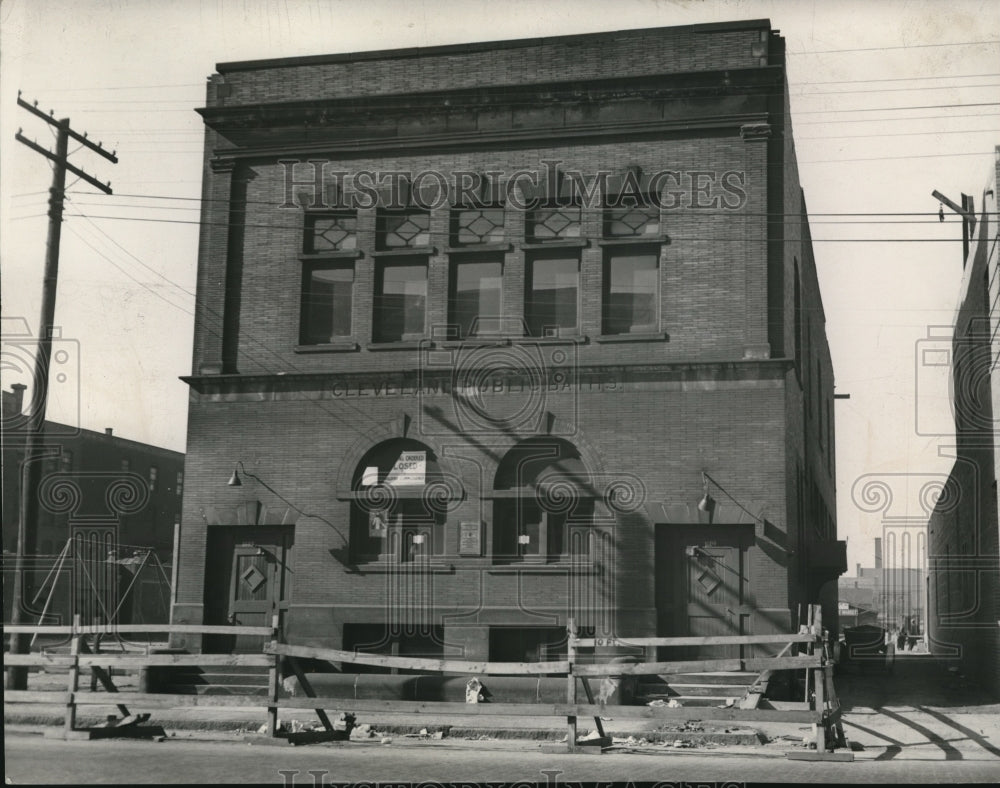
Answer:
(920, 711)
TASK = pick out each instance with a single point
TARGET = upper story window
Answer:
(153, 473)
(553, 223)
(632, 218)
(400, 299)
(401, 229)
(631, 295)
(477, 226)
(553, 295)
(331, 232)
(126, 465)
(327, 302)
(180, 483)
(475, 295)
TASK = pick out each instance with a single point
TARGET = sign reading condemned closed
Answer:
(410, 469)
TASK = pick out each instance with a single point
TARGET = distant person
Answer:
(901, 638)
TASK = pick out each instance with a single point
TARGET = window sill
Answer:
(331, 347)
(573, 243)
(658, 336)
(476, 342)
(569, 339)
(637, 241)
(580, 567)
(386, 566)
(338, 254)
(405, 250)
(487, 247)
(406, 344)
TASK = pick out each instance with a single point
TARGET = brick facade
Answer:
(729, 382)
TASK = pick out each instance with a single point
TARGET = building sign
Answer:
(410, 470)
(378, 523)
(370, 476)
(470, 540)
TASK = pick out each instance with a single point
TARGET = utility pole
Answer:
(31, 470)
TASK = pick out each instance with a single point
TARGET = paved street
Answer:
(32, 759)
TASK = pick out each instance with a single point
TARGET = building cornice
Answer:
(679, 372)
(498, 115)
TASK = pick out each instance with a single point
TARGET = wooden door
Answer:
(260, 585)
(701, 587)
(712, 587)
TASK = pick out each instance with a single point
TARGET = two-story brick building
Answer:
(479, 327)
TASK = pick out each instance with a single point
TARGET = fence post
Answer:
(272, 683)
(571, 683)
(74, 676)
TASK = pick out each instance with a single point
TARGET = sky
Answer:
(890, 100)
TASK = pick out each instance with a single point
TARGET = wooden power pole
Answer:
(31, 470)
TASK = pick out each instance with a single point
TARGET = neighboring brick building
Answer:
(471, 404)
(964, 549)
(124, 495)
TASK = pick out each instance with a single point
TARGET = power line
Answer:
(701, 213)
(928, 216)
(898, 134)
(906, 46)
(897, 120)
(672, 237)
(897, 79)
(187, 102)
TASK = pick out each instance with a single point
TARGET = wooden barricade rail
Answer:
(822, 713)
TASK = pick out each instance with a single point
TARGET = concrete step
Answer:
(212, 689)
(729, 678)
(712, 690)
(222, 676)
(691, 700)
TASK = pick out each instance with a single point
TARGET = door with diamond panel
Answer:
(702, 587)
(259, 585)
(713, 584)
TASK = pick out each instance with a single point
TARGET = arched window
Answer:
(399, 499)
(543, 503)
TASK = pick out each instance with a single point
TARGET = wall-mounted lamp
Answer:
(706, 503)
(234, 480)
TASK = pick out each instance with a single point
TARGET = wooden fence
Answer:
(818, 708)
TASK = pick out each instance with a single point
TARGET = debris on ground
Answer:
(386, 740)
(670, 704)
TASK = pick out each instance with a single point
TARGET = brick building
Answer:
(125, 496)
(962, 535)
(479, 327)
